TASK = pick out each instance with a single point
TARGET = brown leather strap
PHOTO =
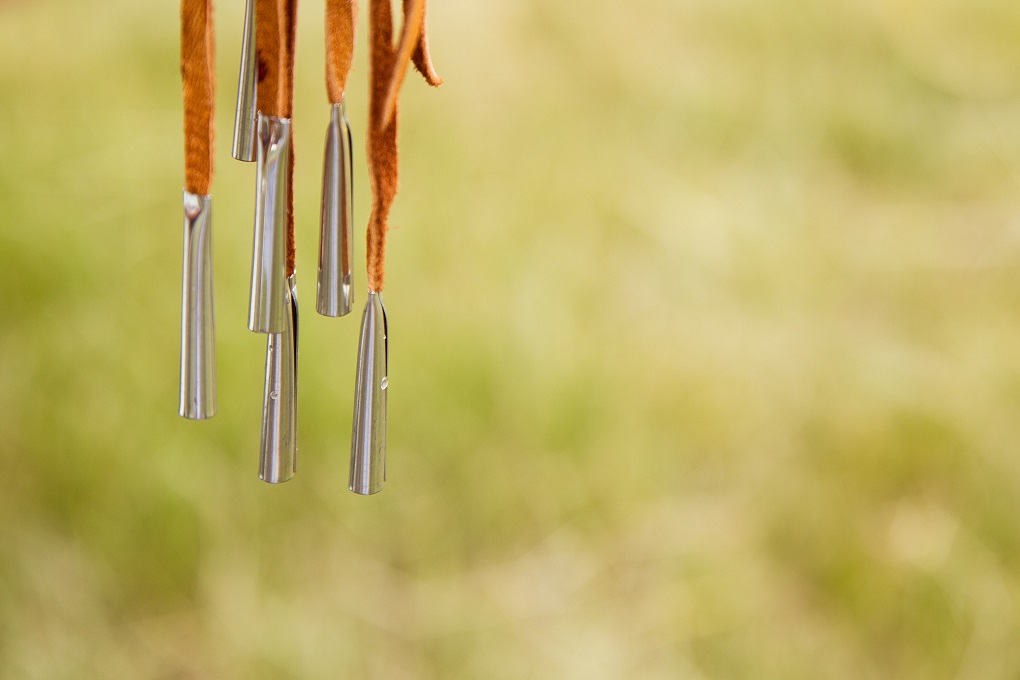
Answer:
(340, 18)
(289, 52)
(270, 41)
(413, 45)
(413, 16)
(290, 32)
(386, 71)
(382, 140)
(421, 57)
(291, 243)
(198, 74)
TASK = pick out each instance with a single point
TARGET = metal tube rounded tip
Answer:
(278, 447)
(333, 294)
(198, 333)
(368, 435)
(268, 278)
(244, 118)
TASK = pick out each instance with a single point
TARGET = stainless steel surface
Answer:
(333, 294)
(269, 256)
(244, 117)
(368, 436)
(278, 449)
(198, 333)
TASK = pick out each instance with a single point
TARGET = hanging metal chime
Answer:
(333, 295)
(387, 68)
(263, 132)
(198, 343)
(273, 306)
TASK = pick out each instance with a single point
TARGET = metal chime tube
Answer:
(244, 118)
(266, 82)
(268, 278)
(198, 341)
(368, 435)
(333, 295)
(278, 448)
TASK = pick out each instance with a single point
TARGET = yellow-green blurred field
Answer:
(704, 355)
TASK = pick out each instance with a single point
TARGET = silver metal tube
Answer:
(333, 294)
(198, 333)
(368, 436)
(244, 117)
(269, 256)
(278, 448)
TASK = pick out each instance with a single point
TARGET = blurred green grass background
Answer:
(705, 354)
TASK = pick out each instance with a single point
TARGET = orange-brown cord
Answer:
(289, 52)
(414, 44)
(387, 67)
(270, 43)
(382, 141)
(413, 15)
(340, 18)
(198, 74)
(421, 57)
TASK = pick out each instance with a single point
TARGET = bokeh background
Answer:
(705, 354)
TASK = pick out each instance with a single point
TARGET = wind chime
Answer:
(263, 133)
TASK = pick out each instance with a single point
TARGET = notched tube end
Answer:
(368, 434)
(278, 447)
(269, 256)
(333, 294)
(198, 333)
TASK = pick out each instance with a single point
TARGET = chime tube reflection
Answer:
(368, 435)
(278, 448)
(334, 296)
(244, 118)
(198, 348)
(268, 278)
